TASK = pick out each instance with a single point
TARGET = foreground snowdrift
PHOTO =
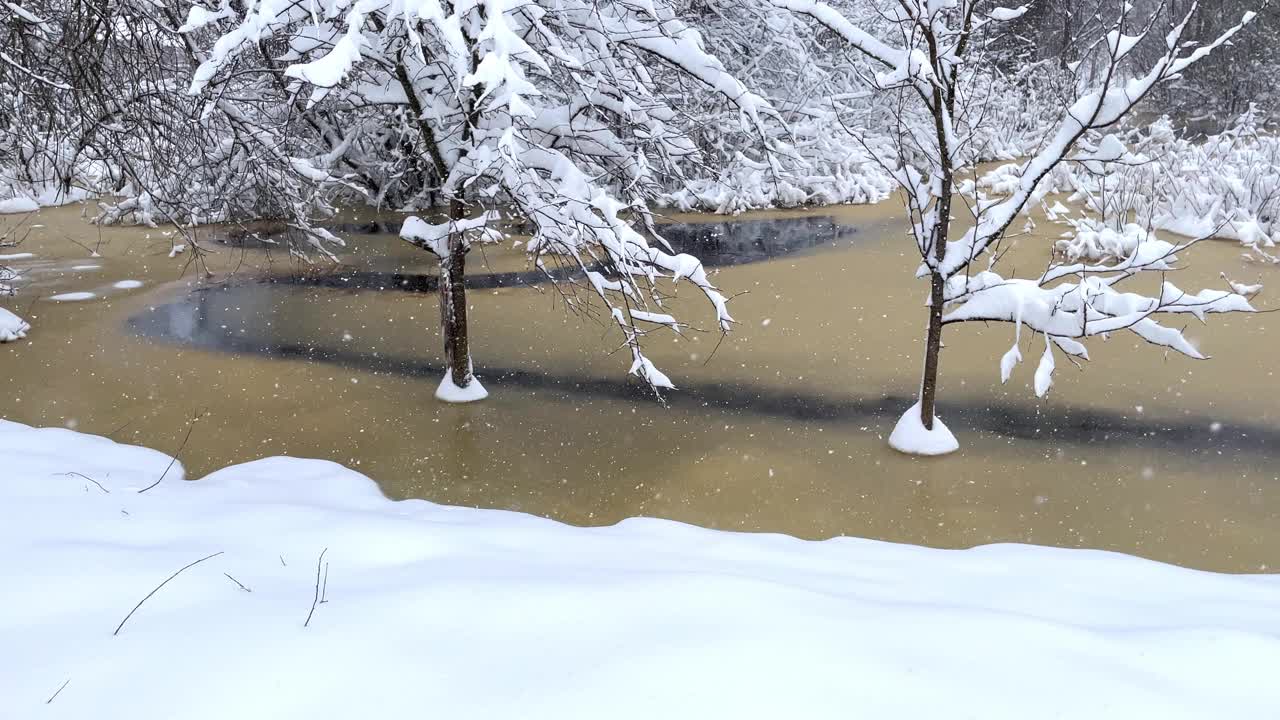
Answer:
(447, 612)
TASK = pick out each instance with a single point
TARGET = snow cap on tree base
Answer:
(911, 437)
(451, 393)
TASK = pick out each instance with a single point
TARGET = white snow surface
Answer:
(18, 205)
(127, 285)
(464, 613)
(492, 614)
(910, 436)
(30, 199)
(12, 327)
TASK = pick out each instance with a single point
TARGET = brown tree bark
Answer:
(944, 105)
(453, 273)
(932, 350)
(453, 303)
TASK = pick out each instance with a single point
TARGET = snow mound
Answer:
(12, 327)
(127, 285)
(328, 600)
(451, 393)
(31, 198)
(18, 205)
(911, 437)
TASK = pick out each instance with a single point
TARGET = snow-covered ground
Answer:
(424, 610)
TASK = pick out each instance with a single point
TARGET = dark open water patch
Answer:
(191, 324)
(717, 244)
(732, 242)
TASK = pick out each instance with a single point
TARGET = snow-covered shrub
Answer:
(1223, 186)
(1092, 239)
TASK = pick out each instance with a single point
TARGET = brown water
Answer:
(783, 429)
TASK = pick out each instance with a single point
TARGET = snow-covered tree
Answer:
(543, 109)
(933, 64)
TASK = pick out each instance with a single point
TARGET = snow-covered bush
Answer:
(1092, 239)
(1221, 186)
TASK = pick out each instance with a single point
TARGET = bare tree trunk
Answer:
(453, 303)
(944, 105)
(932, 349)
(453, 274)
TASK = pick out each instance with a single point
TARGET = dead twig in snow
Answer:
(86, 477)
(316, 600)
(55, 694)
(242, 587)
(153, 592)
(190, 427)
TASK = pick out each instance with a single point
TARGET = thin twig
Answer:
(316, 599)
(242, 587)
(51, 697)
(190, 427)
(86, 477)
(153, 592)
(122, 427)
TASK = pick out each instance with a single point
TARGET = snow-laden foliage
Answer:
(827, 149)
(95, 103)
(1223, 186)
(926, 67)
(545, 108)
(1226, 185)
(118, 120)
(837, 143)
(1073, 301)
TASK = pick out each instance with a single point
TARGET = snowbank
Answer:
(30, 199)
(13, 205)
(432, 611)
(12, 327)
